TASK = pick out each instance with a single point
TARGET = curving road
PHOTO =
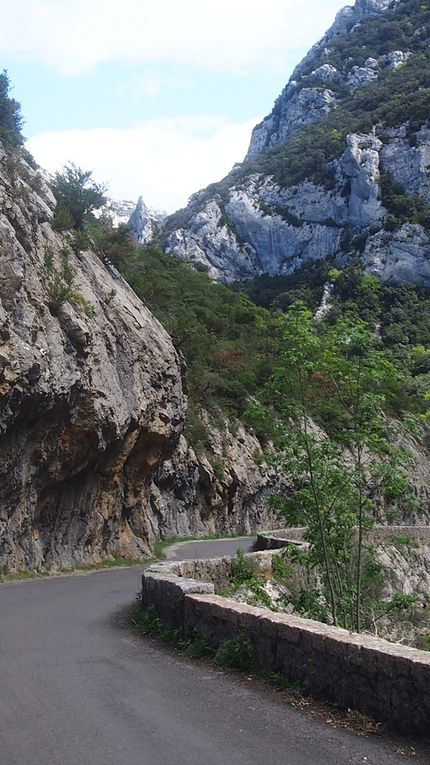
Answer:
(77, 689)
(211, 548)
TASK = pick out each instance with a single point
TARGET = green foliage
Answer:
(281, 570)
(212, 326)
(218, 468)
(279, 292)
(243, 569)
(425, 643)
(398, 314)
(244, 574)
(145, 621)
(60, 282)
(195, 431)
(402, 208)
(114, 244)
(399, 96)
(77, 195)
(339, 474)
(402, 540)
(236, 653)
(10, 116)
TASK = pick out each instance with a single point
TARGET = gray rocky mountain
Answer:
(260, 220)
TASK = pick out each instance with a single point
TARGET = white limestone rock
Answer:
(296, 107)
(409, 165)
(144, 222)
(264, 228)
(300, 103)
(403, 255)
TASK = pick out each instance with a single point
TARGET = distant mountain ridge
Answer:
(340, 168)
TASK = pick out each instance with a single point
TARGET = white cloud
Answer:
(164, 160)
(74, 36)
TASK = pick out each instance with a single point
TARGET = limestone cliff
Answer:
(280, 210)
(144, 222)
(91, 399)
(262, 227)
(92, 407)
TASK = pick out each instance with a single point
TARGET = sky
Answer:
(158, 99)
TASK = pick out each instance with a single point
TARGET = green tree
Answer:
(77, 195)
(10, 115)
(338, 478)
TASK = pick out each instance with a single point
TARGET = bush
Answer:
(236, 653)
(60, 282)
(77, 195)
(10, 116)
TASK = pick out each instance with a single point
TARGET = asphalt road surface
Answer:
(214, 548)
(76, 688)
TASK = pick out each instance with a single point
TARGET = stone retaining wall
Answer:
(387, 680)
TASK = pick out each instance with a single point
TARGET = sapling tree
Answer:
(340, 474)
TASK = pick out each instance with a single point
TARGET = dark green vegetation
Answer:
(294, 584)
(234, 653)
(341, 476)
(229, 343)
(10, 116)
(77, 196)
(402, 208)
(244, 571)
(231, 338)
(232, 346)
(399, 314)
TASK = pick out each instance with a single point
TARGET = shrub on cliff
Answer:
(77, 195)
(10, 115)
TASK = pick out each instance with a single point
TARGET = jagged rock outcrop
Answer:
(258, 221)
(118, 211)
(92, 408)
(144, 222)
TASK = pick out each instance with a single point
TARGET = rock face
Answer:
(92, 408)
(223, 493)
(118, 212)
(91, 399)
(251, 223)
